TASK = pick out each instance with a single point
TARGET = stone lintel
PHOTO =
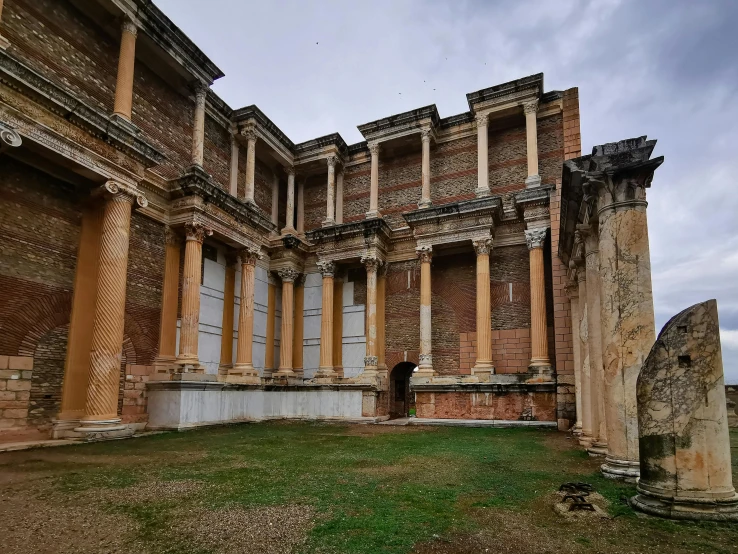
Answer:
(401, 124)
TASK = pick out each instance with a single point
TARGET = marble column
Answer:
(229, 300)
(594, 336)
(289, 228)
(381, 302)
(374, 187)
(243, 370)
(371, 360)
(425, 195)
(198, 128)
(531, 136)
(82, 318)
(581, 334)
(190, 321)
(250, 135)
(301, 206)
(126, 63)
(106, 352)
(483, 366)
(233, 175)
(167, 356)
(330, 217)
(338, 325)
(298, 332)
(482, 155)
(270, 324)
(288, 276)
(275, 200)
(4, 43)
(628, 327)
(339, 197)
(572, 291)
(540, 363)
(325, 369)
(425, 366)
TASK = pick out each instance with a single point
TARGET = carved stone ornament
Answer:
(371, 263)
(373, 148)
(331, 161)
(9, 136)
(288, 275)
(425, 135)
(197, 232)
(482, 119)
(249, 133)
(426, 359)
(128, 26)
(425, 253)
(536, 237)
(482, 246)
(121, 192)
(371, 361)
(327, 268)
(531, 107)
(249, 256)
(201, 92)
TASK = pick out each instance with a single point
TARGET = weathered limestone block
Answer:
(683, 422)
(732, 415)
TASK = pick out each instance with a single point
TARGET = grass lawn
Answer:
(302, 487)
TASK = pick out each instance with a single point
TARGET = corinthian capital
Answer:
(249, 133)
(128, 26)
(196, 232)
(482, 119)
(288, 275)
(331, 161)
(530, 107)
(201, 92)
(425, 135)
(425, 253)
(482, 245)
(250, 255)
(373, 148)
(536, 237)
(327, 268)
(372, 263)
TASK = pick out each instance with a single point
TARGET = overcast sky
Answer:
(666, 69)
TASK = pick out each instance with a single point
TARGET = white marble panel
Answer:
(211, 308)
(353, 323)
(313, 298)
(310, 359)
(213, 275)
(208, 349)
(353, 354)
(313, 280)
(311, 329)
(348, 293)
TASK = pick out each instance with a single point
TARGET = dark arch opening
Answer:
(401, 399)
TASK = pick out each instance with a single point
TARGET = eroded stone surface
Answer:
(682, 420)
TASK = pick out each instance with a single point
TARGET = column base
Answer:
(64, 428)
(244, 374)
(532, 181)
(483, 371)
(328, 223)
(373, 214)
(325, 375)
(424, 204)
(288, 231)
(597, 449)
(541, 372)
(482, 193)
(694, 505)
(577, 430)
(627, 471)
(284, 373)
(585, 439)
(94, 430)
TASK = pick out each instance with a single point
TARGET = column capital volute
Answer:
(120, 192)
(535, 238)
(424, 253)
(371, 262)
(9, 136)
(482, 245)
(128, 26)
(373, 147)
(250, 255)
(482, 119)
(327, 268)
(196, 232)
(288, 274)
(530, 107)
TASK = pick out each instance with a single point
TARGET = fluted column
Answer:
(425, 195)
(229, 301)
(198, 128)
(540, 364)
(101, 406)
(301, 206)
(594, 336)
(425, 366)
(371, 360)
(126, 63)
(381, 304)
(531, 135)
(581, 334)
(338, 325)
(243, 370)
(483, 367)
(374, 185)
(482, 156)
(339, 196)
(572, 291)
(250, 135)
(190, 321)
(4, 43)
(270, 324)
(330, 217)
(288, 276)
(325, 369)
(289, 226)
(233, 175)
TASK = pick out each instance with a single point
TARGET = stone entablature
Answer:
(400, 125)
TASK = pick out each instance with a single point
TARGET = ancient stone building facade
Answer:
(168, 260)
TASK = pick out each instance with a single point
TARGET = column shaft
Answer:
(374, 186)
(167, 356)
(233, 176)
(582, 335)
(288, 276)
(82, 320)
(338, 326)
(250, 135)
(330, 217)
(243, 371)
(289, 225)
(275, 200)
(573, 292)
(540, 364)
(298, 336)
(190, 321)
(371, 361)
(301, 206)
(126, 62)
(531, 135)
(425, 196)
(425, 366)
(381, 302)
(198, 129)
(271, 320)
(325, 370)
(482, 156)
(483, 366)
(229, 301)
(106, 352)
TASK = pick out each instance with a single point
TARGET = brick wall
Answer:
(48, 374)
(15, 390)
(510, 406)
(316, 201)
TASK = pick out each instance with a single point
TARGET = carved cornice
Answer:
(121, 135)
(531, 85)
(400, 124)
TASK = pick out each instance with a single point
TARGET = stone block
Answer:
(19, 385)
(23, 395)
(7, 395)
(3, 362)
(9, 374)
(20, 362)
(15, 413)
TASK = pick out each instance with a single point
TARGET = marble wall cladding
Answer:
(313, 298)
(354, 339)
(261, 295)
(211, 312)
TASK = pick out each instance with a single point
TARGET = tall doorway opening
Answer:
(400, 395)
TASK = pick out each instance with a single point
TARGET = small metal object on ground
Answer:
(577, 493)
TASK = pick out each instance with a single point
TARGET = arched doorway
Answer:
(400, 395)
